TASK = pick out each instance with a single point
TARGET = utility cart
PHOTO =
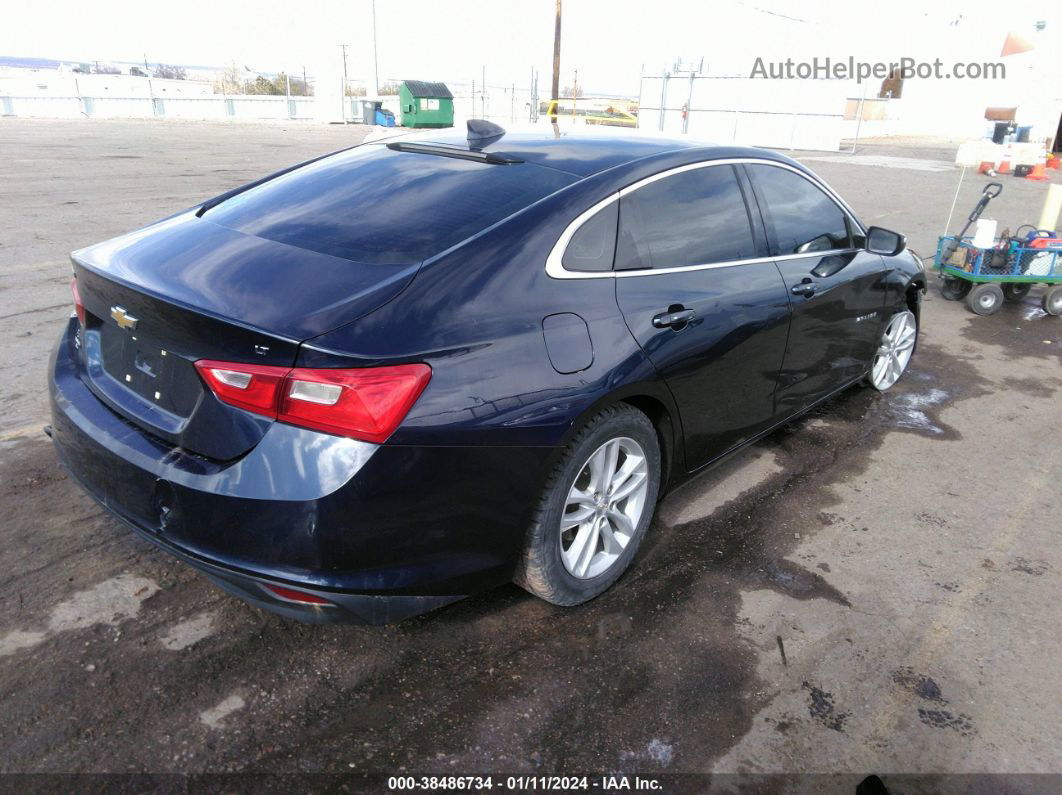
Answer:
(986, 277)
(1005, 270)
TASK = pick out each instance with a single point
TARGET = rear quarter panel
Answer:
(476, 316)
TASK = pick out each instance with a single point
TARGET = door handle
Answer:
(676, 320)
(806, 288)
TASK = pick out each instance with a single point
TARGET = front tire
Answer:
(595, 510)
(895, 350)
(985, 299)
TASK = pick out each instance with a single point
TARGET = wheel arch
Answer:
(905, 282)
(655, 401)
(659, 414)
(912, 296)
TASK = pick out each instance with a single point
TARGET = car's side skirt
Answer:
(680, 479)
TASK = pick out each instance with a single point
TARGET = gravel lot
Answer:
(902, 549)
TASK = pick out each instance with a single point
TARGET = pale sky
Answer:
(608, 42)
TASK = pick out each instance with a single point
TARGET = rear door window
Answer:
(378, 206)
(804, 219)
(695, 217)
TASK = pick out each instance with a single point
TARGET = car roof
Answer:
(577, 151)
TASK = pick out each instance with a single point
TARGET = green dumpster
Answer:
(426, 104)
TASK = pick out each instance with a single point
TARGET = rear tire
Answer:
(985, 299)
(1053, 300)
(1015, 291)
(552, 565)
(954, 289)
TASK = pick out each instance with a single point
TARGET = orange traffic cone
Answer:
(1053, 162)
(986, 167)
(1037, 172)
(1004, 167)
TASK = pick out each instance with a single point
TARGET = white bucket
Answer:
(985, 235)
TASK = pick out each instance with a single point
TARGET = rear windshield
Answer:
(375, 205)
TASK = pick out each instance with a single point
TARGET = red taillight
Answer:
(367, 403)
(291, 595)
(364, 403)
(78, 306)
(248, 386)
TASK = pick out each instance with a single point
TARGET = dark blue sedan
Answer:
(385, 379)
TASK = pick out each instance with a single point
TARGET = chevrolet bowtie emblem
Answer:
(123, 318)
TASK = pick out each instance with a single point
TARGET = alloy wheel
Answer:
(894, 350)
(603, 507)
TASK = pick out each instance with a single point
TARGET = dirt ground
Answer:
(875, 588)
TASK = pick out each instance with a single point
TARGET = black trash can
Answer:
(1001, 131)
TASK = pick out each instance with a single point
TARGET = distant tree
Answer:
(570, 91)
(388, 88)
(167, 72)
(298, 87)
(106, 69)
(232, 80)
(355, 91)
(228, 81)
(136, 71)
(261, 85)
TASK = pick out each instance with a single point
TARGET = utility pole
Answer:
(575, 94)
(483, 92)
(343, 47)
(531, 110)
(305, 85)
(534, 95)
(641, 79)
(556, 61)
(375, 63)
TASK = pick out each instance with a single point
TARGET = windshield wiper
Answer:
(449, 151)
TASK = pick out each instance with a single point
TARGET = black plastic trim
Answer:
(448, 151)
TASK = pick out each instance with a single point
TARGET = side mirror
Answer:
(885, 242)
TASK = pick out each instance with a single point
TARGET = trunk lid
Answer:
(261, 284)
(185, 289)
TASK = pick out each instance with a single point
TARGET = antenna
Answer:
(482, 132)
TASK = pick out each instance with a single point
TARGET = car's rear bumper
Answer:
(341, 607)
(380, 532)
